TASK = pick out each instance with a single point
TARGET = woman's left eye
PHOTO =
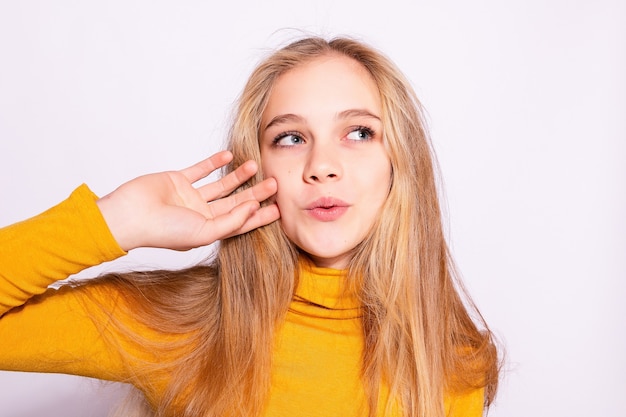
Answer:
(360, 133)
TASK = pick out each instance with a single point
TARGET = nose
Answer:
(323, 164)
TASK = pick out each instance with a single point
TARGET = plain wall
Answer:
(526, 102)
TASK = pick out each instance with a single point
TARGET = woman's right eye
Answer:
(287, 139)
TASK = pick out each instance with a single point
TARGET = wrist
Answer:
(117, 222)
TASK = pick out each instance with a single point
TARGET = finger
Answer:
(228, 224)
(259, 193)
(204, 168)
(229, 183)
(261, 217)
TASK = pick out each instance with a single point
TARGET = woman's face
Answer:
(321, 139)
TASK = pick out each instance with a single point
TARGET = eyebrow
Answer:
(294, 118)
(356, 113)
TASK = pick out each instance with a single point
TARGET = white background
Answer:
(527, 107)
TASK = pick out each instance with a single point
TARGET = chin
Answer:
(328, 259)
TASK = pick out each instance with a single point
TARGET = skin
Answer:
(321, 139)
(165, 210)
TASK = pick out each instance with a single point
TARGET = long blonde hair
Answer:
(423, 337)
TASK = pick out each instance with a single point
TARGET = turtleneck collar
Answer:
(324, 292)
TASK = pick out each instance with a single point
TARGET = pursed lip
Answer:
(327, 209)
(326, 203)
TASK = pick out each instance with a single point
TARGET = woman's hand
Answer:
(164, 210)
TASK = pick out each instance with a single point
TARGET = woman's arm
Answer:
(52, 246)
(158, 210)
(68, 330)
(52, 332)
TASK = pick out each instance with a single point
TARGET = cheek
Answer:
(277, 168)
(286, 186)
(380, 177)
(266, 167)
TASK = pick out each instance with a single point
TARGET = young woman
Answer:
(347, 305)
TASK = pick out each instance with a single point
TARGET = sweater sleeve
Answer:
(52, 246)
(86, 330)
(47, 330)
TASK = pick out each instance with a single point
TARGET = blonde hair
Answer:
(421, 336)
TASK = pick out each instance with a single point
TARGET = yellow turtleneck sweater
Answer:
(318, 348)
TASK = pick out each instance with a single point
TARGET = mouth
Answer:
(327, 209)
(326, 203)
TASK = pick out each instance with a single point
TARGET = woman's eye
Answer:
(288, 139)
(361, 133)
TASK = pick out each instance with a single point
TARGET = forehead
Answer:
(327, 84)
